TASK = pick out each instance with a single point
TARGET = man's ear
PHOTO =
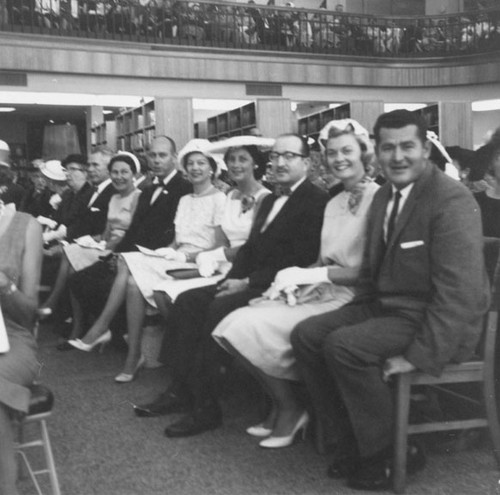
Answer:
(427, 149)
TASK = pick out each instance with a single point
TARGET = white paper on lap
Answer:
(4, 338)
(175, 287)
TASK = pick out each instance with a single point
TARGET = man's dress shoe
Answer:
(376, 472)
(166, 403)
(196, 422)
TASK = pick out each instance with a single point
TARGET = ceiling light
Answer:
(389, 107)
(70, 99)
(485, 105)
(222, 105)
(107, 112)
(7, 109)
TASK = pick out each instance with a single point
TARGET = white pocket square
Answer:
(93, 209)
(411, 244)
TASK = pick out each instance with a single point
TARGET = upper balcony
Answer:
(233, 26)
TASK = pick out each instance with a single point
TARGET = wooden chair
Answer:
(480, 370)
(40, 409)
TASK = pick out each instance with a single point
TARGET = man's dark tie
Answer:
(392, 217)
(282, 191)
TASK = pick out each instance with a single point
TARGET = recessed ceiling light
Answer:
(107, 112)
(7, 109)
(485, 105)
(389, 107)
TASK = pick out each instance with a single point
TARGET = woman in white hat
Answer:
(85, 251)
(259, 334)
(196, 229)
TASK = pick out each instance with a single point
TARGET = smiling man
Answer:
(423, 293)
(286, 232)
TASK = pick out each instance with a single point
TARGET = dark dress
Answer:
(19, 366)
(490, 214)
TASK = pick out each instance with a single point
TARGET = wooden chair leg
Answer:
(51, 465)
(401, 431)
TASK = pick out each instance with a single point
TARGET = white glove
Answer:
(171, 254)
(46, 222)
(294, 275)
(55, 235)
(208, 261)
(55, 201)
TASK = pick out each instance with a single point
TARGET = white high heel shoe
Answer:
(128, 377)
(82, 346)
(259, 430)
(279, 442)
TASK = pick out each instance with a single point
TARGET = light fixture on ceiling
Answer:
(389, 107)
(71, 99)
(107, 112)
(485, 105)
(7, 109)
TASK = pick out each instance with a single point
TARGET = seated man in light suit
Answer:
(423, 295)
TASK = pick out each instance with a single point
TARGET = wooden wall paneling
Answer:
(455, 123)
(275, 116)
(174, 118)
(366, 112)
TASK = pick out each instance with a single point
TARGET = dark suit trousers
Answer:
(188, 344)
(340, 355)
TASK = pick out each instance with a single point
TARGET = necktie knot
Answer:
(282, 191)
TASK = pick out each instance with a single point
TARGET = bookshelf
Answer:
(235, 122)
(135, 128)
(103, 134)
(431, 115)
(310, 125)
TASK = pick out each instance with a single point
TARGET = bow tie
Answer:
(282, 191)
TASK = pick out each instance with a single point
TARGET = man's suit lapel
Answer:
(378, 244)
(289, 206)
(410, 204)
(262, 213)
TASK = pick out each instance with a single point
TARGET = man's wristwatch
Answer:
(9, 289)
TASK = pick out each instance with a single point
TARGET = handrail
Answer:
(258, 27)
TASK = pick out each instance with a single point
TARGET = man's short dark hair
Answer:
(398, 119)
(173, 147)
(74, 158)
(304, 148)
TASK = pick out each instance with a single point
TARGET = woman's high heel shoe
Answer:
(128, 377)
(279, 442)
(259, 430)
(82, 346)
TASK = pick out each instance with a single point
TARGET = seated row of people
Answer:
(341, 295)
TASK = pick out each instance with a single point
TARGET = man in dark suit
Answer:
(91, 220)
(423, 294)
(152, 226)
(286, 232)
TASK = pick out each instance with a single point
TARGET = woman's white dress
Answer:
(236, 223)
(196, 221)
(120, 212)
(261, 332)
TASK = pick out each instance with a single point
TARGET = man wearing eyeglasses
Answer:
(286, 232)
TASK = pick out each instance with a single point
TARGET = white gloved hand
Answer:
(46, 222)
(208, 261)
(294, 275)
(171, 254)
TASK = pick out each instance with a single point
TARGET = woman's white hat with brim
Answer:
(239, 141)
(201, 146)
(52, 169)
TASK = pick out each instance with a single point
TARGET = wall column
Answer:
(275, 117)
(174, 118)
(366, 112)
(93, 117)
(455, 123)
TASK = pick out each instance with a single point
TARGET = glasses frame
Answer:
(288, 156)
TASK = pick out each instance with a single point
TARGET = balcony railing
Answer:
(248, 26)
